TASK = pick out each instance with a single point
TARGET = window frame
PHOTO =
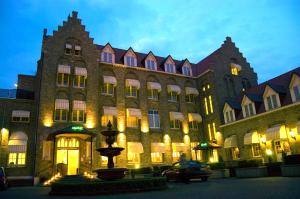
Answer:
(77, 116)
(172, 95)
(154, 115)
(130, 90)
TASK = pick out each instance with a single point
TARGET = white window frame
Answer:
(154, 115)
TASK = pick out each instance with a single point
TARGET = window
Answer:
(16, 159)
(61, 114)
(196, 154)
(256, 150)
(107, 57)
(170, 68)
(186, 70)
(17, 147)
(213, 156)
(153, 94)
(20, 116)
(235, 153)
(130, 61)
(132, 121)
(193, 125)
(77, 50)
(68, 48)
(229, 116)
(106, 118)
(175, 124)
(154, 121)
(62, 79)
(296, 90)
(205, 105)
(78, 116)
(133, 158)
(248, 110)
(108, 89)
(235, 69)
(150, 64)
(173, 96)
(272, 102)
(156, 157)
(190, 98)
(131, 91)
(79, 81)
(175, 156)
(210, 104)
(211, 131)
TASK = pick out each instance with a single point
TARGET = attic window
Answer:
(68, 48)
(170, 68)
(186, 70)
(77, 49)
(150, 64)
(235, 69)
(130, 61)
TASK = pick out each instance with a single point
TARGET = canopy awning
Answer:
(276, 132)
(153, 86)
(133, 82)
(72, 131)
(80, 71)
(135, 147)
(69, 46)
(17, 142)
(20, 113)
(230, 142)
(64, 69)
(110, 80)
(190, 90)
(251, 138)
(194, 117)
(62, 104)
(158, 147)
(176, 116)
(109, 110)
(173, 88)
(134, 112)
(207, 146)
(79, 105)
(77, 47)
(179, 147)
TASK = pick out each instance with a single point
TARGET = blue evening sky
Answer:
(266, 31)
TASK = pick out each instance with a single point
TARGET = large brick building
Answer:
(161, 106)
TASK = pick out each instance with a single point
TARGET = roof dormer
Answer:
(108, 54)
(248, 107)
(229, 113)
(271, 98)
(294, 88)
(170, 65)
(150, 61)
(187, 68)
(130, 58)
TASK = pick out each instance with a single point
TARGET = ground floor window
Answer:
(16, 159)
(235, 153)
(195, 154)
(106, 118)
(132, 122)
(156, 157)
(214, 157)
(133, 158)
(175, 156)
(256, 150)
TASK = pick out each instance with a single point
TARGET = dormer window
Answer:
(107, 57)
(248, 107)
(169, 68)
(229, 114)
(235, 69)
(68, 48)
(77, 50)
(186, 70)
(107, 54)
(130, 61)
(295, 88)
(151, 64)
(271, 99)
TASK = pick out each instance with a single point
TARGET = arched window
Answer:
(67, 143)
(17, 147)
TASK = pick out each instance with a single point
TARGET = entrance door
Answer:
(73, 161)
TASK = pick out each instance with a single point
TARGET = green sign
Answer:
(204, 145)
(77, 128)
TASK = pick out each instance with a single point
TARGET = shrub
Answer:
(249, 163)
(218, 165)
(292, 159)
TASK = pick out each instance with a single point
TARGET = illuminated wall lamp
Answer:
(292, 134)
(263, 140)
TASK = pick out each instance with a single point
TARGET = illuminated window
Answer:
(67, 143)
(130, 61)
(214, 131)
(151, 64)
(186, 70)
(235, 153)
(106, 118)
(175, 156)
(256, 150)
(156, 157)
(213, 156)
(205, 106)
(234, 71)
(191, 98)
(78, 115)
(133, 158)
(193, 125)
(170, 68)
(132, 121)
(61, 114)
(173, 96)
(154, 120)
(131, 91)
(153, 94)
(175, 124)
(107, 57)
(63, 79)
(210, 104)
(108, 89)
(79, 81)
(17, 147)
(196, 154)
(16, 159)
(209, 131)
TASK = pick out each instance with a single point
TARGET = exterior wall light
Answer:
(269, 152)
(263, 140)
(293, 135)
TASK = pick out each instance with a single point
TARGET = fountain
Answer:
(110, 173)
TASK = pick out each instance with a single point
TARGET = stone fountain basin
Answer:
(109, 152)
(111, 174)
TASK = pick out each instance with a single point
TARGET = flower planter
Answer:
(219, 173)
(251, 172)
(292, 170)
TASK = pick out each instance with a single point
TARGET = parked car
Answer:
(3, 179)
(186, 170)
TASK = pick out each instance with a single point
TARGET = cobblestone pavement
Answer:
(272, 187)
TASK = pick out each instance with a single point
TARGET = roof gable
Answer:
(295, 80)
(108, 48)
(130, 52)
